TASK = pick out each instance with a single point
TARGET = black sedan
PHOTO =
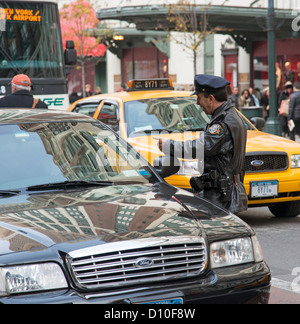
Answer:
(85, 219)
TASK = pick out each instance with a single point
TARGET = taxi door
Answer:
(109, 114)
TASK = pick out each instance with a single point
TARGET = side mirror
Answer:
(258, 122)
(166, 166)
(70, 53)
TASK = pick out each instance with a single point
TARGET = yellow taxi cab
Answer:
(152, 108)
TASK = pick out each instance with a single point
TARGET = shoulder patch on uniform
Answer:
(215, 129)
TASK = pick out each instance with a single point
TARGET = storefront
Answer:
(288, 62)
(143, 63)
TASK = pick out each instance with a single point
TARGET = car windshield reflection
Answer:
(45, 153)
(164, 114)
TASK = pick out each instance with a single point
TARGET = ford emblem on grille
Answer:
(257, 163)
(144, 263)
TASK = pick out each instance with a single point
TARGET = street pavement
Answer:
(280, 243)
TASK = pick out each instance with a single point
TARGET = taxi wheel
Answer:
(286, 210)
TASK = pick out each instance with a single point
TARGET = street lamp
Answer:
(272, 125)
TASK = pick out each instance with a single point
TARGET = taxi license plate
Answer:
(174, 301)
(264, 189)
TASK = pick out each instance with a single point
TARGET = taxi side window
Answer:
(87, 109)
(109, 115)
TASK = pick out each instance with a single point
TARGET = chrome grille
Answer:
(138, 261)
(271, 162)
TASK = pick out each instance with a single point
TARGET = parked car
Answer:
(85, 219)
(152, 108)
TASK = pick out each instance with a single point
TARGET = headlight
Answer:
(188, 168)
(257, 250)
(230, 253)
(31, 278)
(295, 161)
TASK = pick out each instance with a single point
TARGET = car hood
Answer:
(80, 218)
(263, 142)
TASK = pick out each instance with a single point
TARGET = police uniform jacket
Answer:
(224, 147)
(21, 99)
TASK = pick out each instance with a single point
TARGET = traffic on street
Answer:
(149, 154)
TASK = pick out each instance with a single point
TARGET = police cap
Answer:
(209, 83)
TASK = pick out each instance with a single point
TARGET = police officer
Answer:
(21, 96)
(224, 143)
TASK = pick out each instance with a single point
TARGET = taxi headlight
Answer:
(188, 168)
(232, 252)
(295, 161)
(31, 278)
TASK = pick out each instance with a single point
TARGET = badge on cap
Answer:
(215, 129)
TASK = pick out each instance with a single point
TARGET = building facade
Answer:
(150, 54)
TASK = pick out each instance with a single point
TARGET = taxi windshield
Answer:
(164, 114)
(38, 154)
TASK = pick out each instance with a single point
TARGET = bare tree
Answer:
(78, 19)
(183, 18)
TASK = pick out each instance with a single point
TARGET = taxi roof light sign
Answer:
(150, 84)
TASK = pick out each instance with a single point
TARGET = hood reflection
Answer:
(114, 213)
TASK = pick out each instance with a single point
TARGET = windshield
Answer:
(30, 40)
(170, 114)
(36, 154)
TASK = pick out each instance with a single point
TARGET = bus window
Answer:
(31, 43)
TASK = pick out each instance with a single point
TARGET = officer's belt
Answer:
(209, 183)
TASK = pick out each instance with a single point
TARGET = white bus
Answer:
(31, 43)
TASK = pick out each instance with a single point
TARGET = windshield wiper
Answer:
(69, 184)
(200, 129)
(9, 193)
(170, 131)
(157, 131)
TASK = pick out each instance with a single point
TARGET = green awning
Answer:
(236, 21)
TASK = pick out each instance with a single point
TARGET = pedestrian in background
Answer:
(98, 91)
(265, 103)
(21, 96)
(246, 100)
(255, 100)
(234, 97)
(283, 104)
(88, 92)
(289, 74)
(294, 112)
(123, 88)
(74, 96)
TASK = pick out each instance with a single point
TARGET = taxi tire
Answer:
(286, 210)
